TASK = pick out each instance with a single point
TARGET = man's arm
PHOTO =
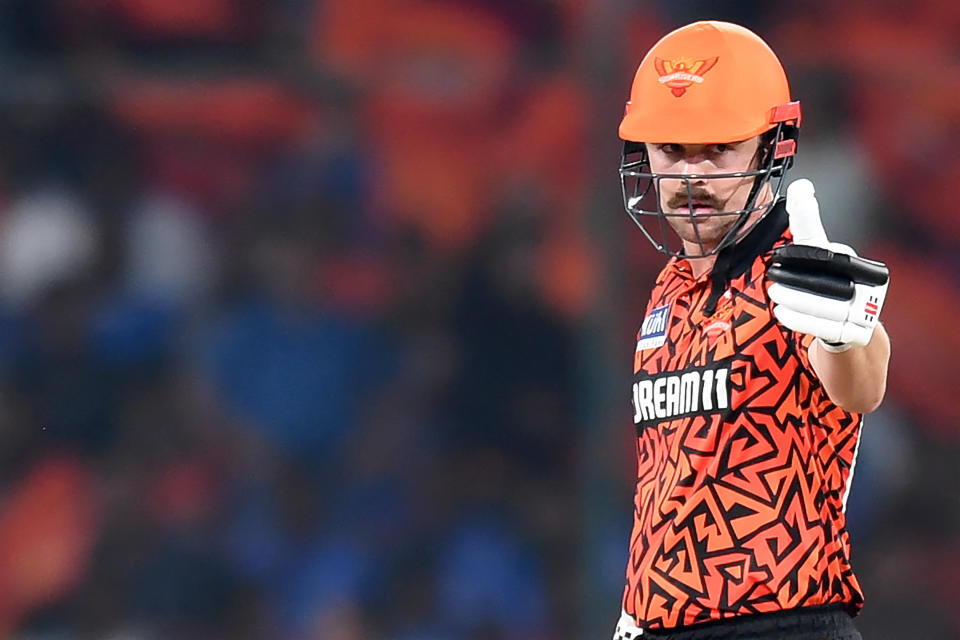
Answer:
(823, 289)
(855, 379)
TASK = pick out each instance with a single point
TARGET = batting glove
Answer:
(820, 287)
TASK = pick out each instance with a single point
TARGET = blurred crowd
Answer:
(300, 304)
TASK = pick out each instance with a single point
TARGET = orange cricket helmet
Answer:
(709, 82)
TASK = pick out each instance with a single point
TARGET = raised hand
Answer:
(823, 288)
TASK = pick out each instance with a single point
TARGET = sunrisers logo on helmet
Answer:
(682, 73)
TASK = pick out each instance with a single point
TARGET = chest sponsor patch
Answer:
(653, 333)
(692, 391)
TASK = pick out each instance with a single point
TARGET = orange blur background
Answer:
(317, 316)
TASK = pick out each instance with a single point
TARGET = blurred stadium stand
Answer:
(315, 314)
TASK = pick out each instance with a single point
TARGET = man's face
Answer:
(709, 196)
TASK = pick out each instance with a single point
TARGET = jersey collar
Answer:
(756, 243)
(735, 260)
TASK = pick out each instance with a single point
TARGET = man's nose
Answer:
(693, 164)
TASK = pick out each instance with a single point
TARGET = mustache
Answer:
(681, 199)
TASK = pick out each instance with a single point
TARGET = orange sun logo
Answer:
(682, 73)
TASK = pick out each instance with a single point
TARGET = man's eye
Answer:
(670, 148)
(720, 148)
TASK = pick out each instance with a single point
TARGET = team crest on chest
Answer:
(721, 320)
(653, 333)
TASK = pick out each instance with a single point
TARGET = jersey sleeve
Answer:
(820, 403)
(801, 343)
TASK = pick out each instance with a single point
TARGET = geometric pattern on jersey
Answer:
(743, 463)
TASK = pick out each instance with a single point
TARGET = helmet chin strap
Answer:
(720, 274)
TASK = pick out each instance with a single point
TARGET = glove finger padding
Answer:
(805, 259)
(828, 292)
(810, 303)
(828, 330)
(824, 285)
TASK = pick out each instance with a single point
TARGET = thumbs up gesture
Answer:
(820, 287)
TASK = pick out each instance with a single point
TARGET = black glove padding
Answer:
(825, 272)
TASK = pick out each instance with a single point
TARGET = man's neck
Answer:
(700, 266)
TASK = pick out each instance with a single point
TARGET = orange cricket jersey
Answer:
(743, 462)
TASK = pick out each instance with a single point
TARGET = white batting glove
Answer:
(820, 287)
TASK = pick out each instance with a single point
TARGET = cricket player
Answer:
(759, 353)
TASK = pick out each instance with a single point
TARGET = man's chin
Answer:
(709, 238)
(702, 247)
